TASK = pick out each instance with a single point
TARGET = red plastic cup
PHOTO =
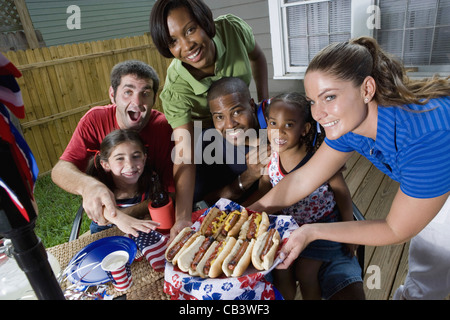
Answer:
(164, 215)
(118, 269)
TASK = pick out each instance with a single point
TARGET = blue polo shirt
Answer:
(412, 146)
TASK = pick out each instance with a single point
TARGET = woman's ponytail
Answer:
(389, 75)
(361, 57)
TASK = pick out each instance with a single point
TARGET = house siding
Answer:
(100, 19)
(111, 19)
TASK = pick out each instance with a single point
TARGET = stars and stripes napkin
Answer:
(153, 246)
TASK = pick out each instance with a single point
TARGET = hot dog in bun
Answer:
(181, 242)
(256, 224)
(199, 254)
(213, 222)
(232, 224)
(186, 258)
(239, 258)
(265, 249)
(211, 263)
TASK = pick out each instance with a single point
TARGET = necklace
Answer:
(371, 144)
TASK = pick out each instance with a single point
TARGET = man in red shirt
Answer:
(133, 92)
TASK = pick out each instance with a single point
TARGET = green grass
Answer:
(56, 211)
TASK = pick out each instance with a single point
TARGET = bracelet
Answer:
(241, 186)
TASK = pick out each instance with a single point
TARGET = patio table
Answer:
(147, 283)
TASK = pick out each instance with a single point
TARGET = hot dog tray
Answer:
(252, 285)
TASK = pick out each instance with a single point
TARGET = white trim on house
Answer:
(365, 18)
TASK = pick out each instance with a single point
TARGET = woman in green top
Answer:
(205, 50)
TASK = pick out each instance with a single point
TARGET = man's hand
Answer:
(179, 225)
(257, 160)
(97, 198)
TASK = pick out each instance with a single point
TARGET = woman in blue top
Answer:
(366, 103)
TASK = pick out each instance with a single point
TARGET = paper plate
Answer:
(85, 269)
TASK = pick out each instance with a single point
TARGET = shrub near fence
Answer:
(59, 84)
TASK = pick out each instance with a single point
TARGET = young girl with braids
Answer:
(120, 165)
(324, 268)
(364, 100)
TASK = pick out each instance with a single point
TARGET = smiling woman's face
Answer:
(190, 43)
(336, 104)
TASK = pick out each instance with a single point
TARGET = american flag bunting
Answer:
(11, 98)
(9, 89)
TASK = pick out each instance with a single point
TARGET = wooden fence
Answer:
(59, 84)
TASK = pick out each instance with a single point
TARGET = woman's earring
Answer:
(366, 100)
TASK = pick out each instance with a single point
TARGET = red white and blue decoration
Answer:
(153, 246)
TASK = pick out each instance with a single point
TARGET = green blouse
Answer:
(184, 98)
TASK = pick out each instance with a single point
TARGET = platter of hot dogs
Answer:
(226, 247)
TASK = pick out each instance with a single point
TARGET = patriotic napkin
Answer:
(153, 246)
(252, 285)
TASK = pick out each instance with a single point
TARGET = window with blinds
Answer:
(313, 25)
(416, 31)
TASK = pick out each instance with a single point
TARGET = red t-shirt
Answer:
(99, 121)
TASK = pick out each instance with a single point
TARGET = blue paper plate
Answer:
(89, 257)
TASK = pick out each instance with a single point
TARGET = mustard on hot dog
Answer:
(232, 224)
(256, 224)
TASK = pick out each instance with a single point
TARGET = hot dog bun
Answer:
(199, 254)
(208, 219)
(200, 267)
(241, 263)
(252, 231)
(187, 256)
(270, 239)
(174, 249)
(214, 257)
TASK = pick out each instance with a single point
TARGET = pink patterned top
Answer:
(311, 209)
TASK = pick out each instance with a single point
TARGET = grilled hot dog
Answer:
(265, 249)
(184, 238)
